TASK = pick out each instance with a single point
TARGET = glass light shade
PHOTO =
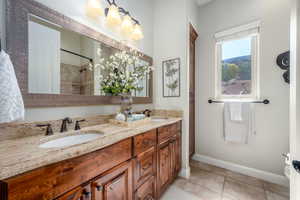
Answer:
(113, 16)
(137, 33)
(127, 26)
(94, 8)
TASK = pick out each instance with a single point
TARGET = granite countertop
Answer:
(24, 154)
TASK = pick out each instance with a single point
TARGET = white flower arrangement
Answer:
(121, 72)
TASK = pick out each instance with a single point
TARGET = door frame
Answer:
(295, 97)
(193, 35)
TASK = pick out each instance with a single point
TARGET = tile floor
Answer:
(208, 182)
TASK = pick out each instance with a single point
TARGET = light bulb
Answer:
(137, 33)
(94, 8)
(127, 26)
(113, 16)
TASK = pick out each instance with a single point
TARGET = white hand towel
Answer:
(11, 101)
(238, 131)
(236, 111)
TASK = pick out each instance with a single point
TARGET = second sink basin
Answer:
(70, 140)
(159, 119)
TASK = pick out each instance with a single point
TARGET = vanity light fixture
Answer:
(113, 17)
(94, 8)
(129, 25)
(137, 33)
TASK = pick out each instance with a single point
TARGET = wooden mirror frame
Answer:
(17, 15)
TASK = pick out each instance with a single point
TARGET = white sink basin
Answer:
(159, 119)
(70, 140)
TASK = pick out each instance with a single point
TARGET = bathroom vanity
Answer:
(137, 163)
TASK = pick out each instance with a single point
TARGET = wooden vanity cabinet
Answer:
(137, 168)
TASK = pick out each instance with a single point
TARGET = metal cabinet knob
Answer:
(99, 187)
(86, 193)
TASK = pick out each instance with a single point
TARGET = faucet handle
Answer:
(147, 112)
(68, 120)
(49, 130)
(77, 124)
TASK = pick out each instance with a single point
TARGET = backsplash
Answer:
(16, 130)
(25, 129)
(167, 113)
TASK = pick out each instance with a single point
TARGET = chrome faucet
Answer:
(65, 121)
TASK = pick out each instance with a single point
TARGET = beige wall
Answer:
(272, 121)
(171, 20)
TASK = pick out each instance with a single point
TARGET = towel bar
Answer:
(265, 101)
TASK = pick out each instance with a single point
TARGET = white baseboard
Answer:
(185, 173)
(267, 176)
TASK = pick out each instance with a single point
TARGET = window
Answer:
(237, 61)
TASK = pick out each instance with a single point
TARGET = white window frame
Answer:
(237, 33)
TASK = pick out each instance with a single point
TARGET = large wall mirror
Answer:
(55, 58)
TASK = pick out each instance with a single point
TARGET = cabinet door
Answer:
(79, 193)
(144, 166)
(164, 166)
(147, 191)
(175, 146)
(116, 184)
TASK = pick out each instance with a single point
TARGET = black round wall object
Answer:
(283, 60)
(286, 76)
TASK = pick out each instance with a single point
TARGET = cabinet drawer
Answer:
(144, 141)
(147, 191)
(144, 166)
(166, 132)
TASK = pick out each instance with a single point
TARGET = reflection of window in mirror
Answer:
(60, 64)
(143, 85)
(44, 57)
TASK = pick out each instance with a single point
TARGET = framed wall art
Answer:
(171, 78)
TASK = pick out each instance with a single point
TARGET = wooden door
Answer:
(116, 184)
(164, 166)
(79, 193)
(192, 109)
